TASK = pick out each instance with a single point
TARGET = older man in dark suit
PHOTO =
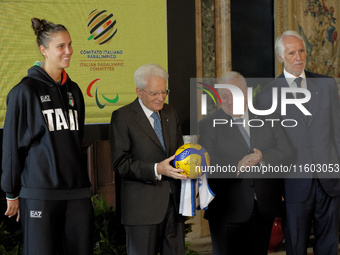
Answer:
(144, 136)
(313, 197)
(245, 204)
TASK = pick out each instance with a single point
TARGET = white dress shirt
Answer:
(290, 78)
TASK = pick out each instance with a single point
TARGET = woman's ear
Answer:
(42, 50)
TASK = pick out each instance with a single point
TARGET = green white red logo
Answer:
(101, 26)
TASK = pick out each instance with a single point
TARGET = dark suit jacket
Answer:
(234, 198)
(316, 141)
(135, 149)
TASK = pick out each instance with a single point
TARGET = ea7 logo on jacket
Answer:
(36, 214)
(45, 98)
(56, 119)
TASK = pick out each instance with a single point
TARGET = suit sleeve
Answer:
(179, 138)
(124, 163)
(335, 109)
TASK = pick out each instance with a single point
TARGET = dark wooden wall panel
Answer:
(252, 37)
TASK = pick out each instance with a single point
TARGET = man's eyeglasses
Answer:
(153, 94)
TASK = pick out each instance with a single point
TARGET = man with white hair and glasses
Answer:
(144, 136)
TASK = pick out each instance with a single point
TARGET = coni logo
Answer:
(101, 26)
(100, 105)
(238, 99)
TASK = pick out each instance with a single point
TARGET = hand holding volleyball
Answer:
(191, 158)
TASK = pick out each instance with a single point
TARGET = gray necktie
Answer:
(243, 131)
(158, 128)
(298, 83)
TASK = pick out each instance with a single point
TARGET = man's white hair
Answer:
(234, 75)
(144, 72)
(279, 47)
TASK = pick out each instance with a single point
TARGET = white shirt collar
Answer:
(290, 78)
(146, 110)
(245, 116)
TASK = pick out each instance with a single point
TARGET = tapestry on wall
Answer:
(318, 22)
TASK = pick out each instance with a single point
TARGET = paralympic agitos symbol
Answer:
(100, 105)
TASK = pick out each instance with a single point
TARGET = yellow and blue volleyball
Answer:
(191, 158)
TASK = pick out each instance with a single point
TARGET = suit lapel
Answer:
(235, 130)
(253, 132)
(292, 112)
(315, 96)
(240, 136)
(166, 129)
(144, 123)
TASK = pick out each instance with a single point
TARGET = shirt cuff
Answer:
(158, 176)
(11, 199)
